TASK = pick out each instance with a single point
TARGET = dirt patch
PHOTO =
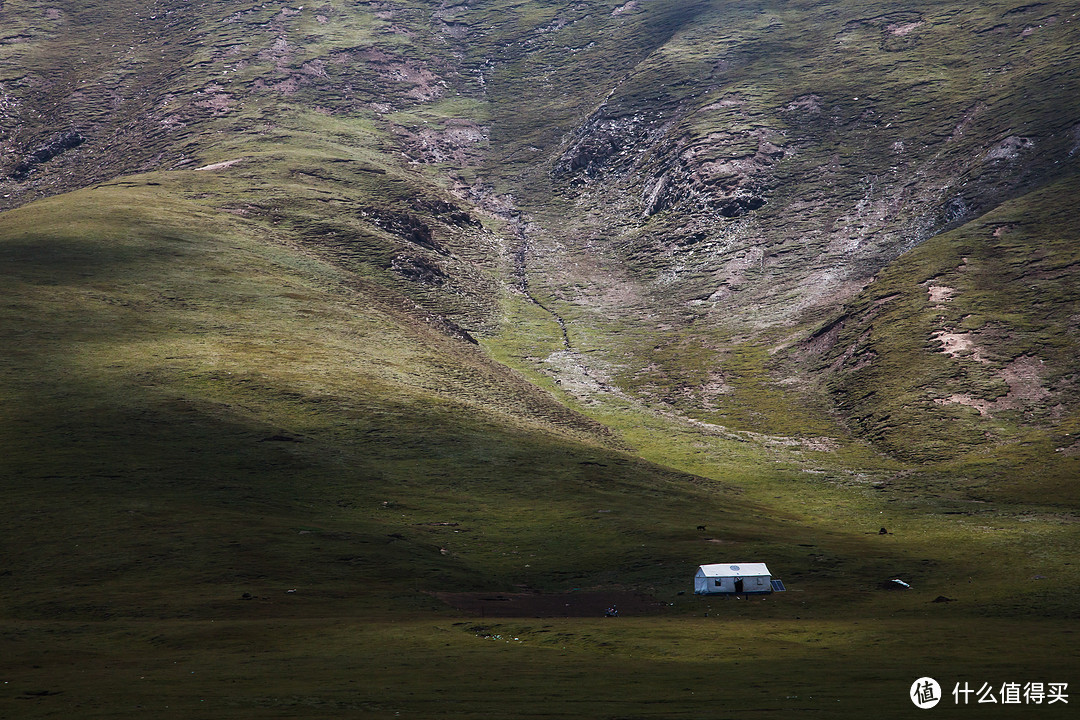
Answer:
(804, 105)
(959, 345)
(1024, 377)
(822, 341)
(713, 388)
(222, 165)
(940, 293)
(983, 406)
(419, 82)
(551, 605)
(459, 141)
(1070, 451)
(901, 29)
(215, 99)
(575, 375)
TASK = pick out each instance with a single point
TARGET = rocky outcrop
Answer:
(44, 153)
(406, 226)
(447, 212)
(606, 143)
(418, 269)
(725, 172)
(715, 173)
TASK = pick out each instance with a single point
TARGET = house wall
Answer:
(757, 584)
(701, 585)
(718, 585)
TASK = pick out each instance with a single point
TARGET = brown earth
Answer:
(548, 605)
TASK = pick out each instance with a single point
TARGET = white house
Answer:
(738, 579)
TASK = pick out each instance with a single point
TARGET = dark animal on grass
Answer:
(883, 531)
(701, 528)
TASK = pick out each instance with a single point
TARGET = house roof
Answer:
(733, 570)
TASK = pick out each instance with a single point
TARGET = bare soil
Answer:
(551, 605)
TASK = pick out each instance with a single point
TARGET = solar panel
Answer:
(778, 585)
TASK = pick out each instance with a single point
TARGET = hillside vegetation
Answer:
(352, 356)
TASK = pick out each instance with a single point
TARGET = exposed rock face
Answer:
(46, 152)
(606, 144)
(714, 174)
(447, 212)
(404, 225)
(419, 269)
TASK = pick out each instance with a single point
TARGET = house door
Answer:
(738, 586)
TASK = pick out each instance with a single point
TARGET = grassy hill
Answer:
(350, 354)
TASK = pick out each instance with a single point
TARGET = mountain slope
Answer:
(326, 330)
(730, 172)
(187, 399)
(657, 211)
(965, 348)
(725, 196)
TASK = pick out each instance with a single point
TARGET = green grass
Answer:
(223, 343)
(1010, 297)
(242, 445)
(185, 504)
(684, 668)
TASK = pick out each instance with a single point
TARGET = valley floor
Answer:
(442, 665)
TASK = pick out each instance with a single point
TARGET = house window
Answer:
(718, 583)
